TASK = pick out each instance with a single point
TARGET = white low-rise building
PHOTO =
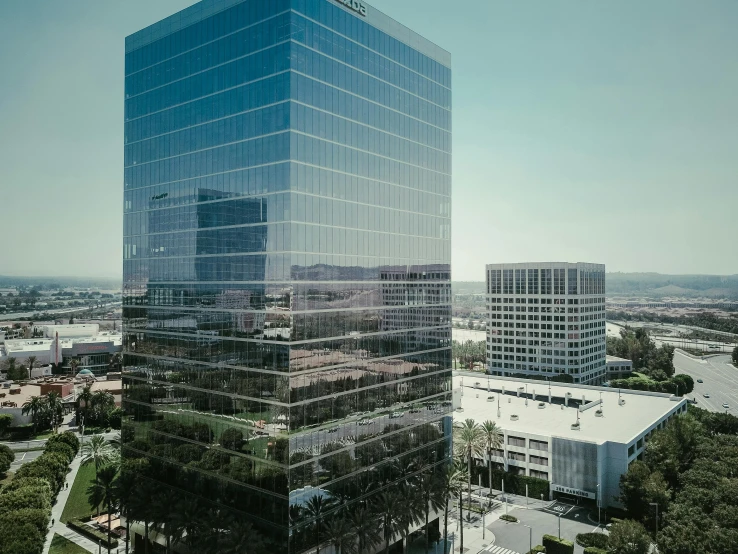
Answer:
(579, 438)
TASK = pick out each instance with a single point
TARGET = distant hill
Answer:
(659, 285)
(60, 282)
(653, 285)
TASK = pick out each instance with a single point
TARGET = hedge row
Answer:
(25, 502)
(555, 545)
(595, 550)
(598, 540)
(537, 549)
(6, 458)
(91, 533)
(514, 484)
(507, 517)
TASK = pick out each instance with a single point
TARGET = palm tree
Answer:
(31, 363)
(411, 512)
(189, 521)
(74, 363)
(103, 492)
(339, 533)
(364, 526)
(387, 507)
(430, 491)
(239, 537)
(127, 486)
(85, 397)
(101, 402)
(35, 406)
(99, 451)
(452, 484)
(54, 407)
(316, 509)
(493, 439)
(469, 444)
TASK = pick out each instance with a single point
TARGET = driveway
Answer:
(516, 537)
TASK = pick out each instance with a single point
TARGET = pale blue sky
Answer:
(583, 131)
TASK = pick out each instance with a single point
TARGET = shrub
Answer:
(537, 549)
(26, 497)
(187, 453)
(6, 458)
(555, 545)
(598, 540)
(91, 533)
(38, 518)
(62, 448)
(232, 439)
(67, 438)
(595, 550)
(20, 538)
(507, 517)
(115, 417)
(23, 482)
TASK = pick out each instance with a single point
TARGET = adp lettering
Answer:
(355, 5)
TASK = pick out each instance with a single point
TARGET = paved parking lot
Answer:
(516, 537)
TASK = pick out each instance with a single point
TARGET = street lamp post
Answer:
(598, 503)
(530, 536)
(657, 516)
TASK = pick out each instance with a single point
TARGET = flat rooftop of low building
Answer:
(616, 359)
(619, 423)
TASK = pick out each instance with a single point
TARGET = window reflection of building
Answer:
(286, 260)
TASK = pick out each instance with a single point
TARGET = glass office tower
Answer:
(287, 339)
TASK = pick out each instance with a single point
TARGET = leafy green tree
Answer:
(6, 421)
(639, 487)
(629, 537)
(6, 458)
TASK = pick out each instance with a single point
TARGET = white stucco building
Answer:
(547, 319)
(542, 438)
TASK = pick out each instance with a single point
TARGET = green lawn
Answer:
(60, 545)
(77, 505)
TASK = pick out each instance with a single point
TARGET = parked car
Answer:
(706, 395)
(699, 380)
(725, 405)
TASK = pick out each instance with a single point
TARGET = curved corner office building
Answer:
(287, 257)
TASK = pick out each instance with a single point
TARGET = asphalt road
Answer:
(23, 458)
(517, 537)
(720, 381)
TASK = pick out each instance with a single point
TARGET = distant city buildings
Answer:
(60, 344)
(547, 320)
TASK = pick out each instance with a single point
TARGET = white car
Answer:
(726, 406)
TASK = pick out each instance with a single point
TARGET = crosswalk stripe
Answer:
(498, 550)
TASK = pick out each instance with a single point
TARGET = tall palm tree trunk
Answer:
(146, 538)
(109, 510)
(445, 527)
(461, 522)
(427, 531)
(489, 463)
(468, 508)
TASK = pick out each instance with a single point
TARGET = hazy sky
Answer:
(583, 131)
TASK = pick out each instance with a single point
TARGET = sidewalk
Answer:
(58, 508)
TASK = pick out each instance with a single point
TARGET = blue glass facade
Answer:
(286, 263)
